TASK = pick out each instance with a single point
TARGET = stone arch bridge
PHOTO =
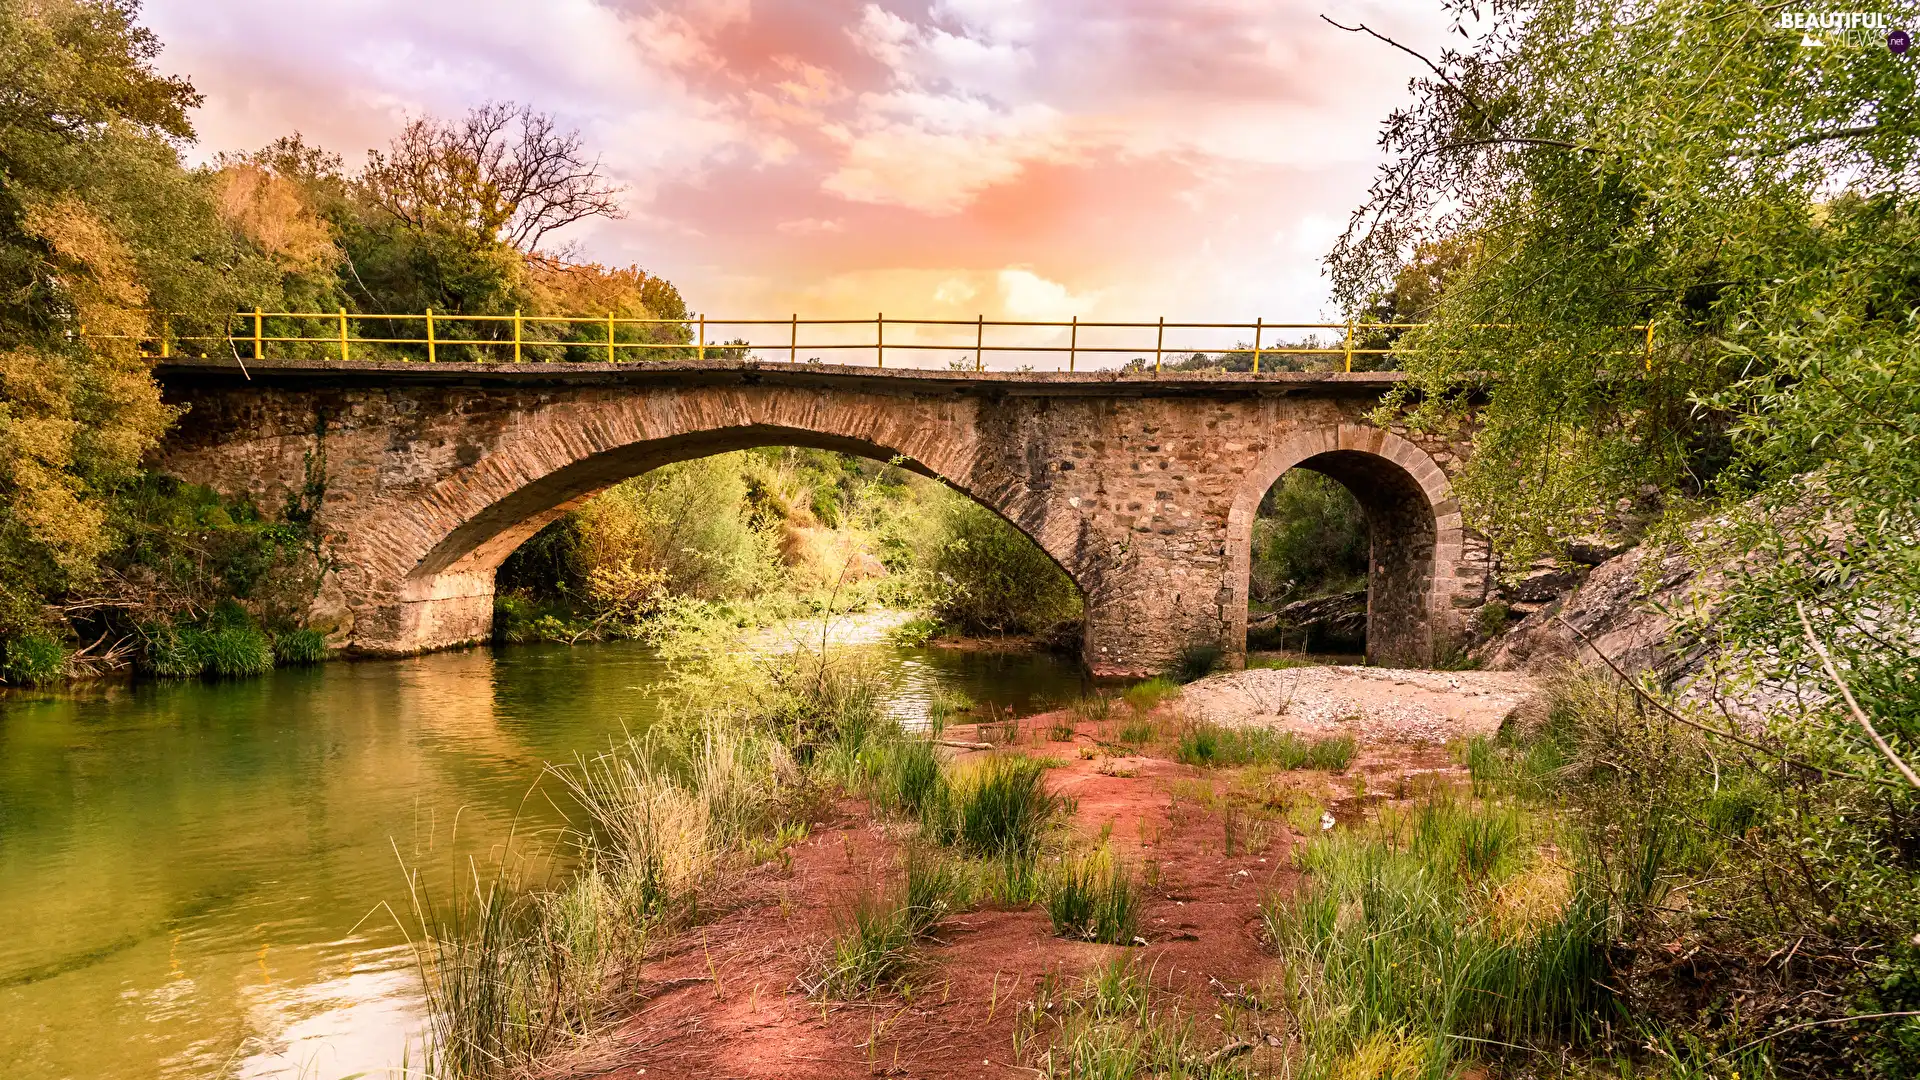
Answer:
(1142, 488)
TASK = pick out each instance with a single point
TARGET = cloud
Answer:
(1125, 158)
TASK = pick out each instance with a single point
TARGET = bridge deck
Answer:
(317, 374)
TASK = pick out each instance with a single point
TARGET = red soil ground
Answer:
(724, 999)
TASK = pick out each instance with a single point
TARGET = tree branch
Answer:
(1858, 713)
(1697, 726)
(1438, 72)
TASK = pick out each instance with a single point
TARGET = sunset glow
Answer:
(1112, 160)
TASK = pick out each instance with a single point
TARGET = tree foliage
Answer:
(110, 245)
(1691, 166)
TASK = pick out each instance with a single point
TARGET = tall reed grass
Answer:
(1436, 933)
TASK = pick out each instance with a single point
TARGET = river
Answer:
(206, 878)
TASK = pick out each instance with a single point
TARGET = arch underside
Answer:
(448, 597)
(484, 540)
(1400, 565)
(1413, 526)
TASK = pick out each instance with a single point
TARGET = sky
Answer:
(1101, 159)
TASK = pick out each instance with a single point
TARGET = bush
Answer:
(34, 658)
(300, 647)
(991, 579)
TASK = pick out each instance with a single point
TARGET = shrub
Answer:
(991, 579)
(34, 658)
(1093, 899)
(300, 647)
(1196, 662)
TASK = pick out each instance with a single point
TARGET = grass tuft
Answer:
(1093, 898)
(1001, 808)
(1144, 697)
(300, 647)
(1196, 662)
(1213, 746)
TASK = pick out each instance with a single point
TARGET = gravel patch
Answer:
(1374, 705)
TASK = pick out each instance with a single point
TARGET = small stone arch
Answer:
(1415, 527)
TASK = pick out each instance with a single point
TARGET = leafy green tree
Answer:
(99, 225)
(1693, 167)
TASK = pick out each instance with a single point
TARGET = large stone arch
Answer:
(441, 546)
(1413, 520)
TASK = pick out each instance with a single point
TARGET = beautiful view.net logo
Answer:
(1845, 29)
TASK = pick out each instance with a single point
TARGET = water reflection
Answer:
(191, 875)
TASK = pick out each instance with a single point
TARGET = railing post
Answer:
(979, 344)
(343, 335)
(610, 337)
(166, 328)
(1349, 345)
(1649, 346)
(256, 333)
(1159, 342)
(516, 335)
(793, 341)
(879, 340)
(703, 338)
(433, 355)
(1256, 343)
(1073, 342)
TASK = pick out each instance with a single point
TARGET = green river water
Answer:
(192, 874)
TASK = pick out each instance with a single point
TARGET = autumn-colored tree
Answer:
(99, 224)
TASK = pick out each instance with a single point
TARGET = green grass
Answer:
(1001, 808)
(227, 647)
(1431, 927)
(34, 658)
(1215, 746)
(235, 652)
(874, 946)
(1093, 898)
(300, 647)
(1143, 697)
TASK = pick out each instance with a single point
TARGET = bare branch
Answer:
(1439, 72)
(1697, 726)
(1859, 714)
(504, 171)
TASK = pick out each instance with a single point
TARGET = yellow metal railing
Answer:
(516, 336)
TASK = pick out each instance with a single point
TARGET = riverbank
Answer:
(200, 872)
(999, 987)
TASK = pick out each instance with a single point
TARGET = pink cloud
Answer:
(1145, 155)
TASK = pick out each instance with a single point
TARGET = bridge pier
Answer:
(1142, 489)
